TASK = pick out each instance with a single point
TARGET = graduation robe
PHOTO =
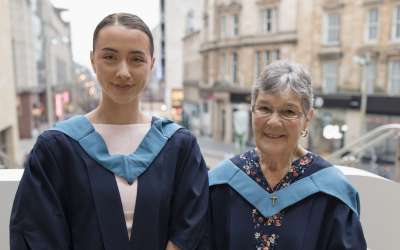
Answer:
(67, 200)
(315, 220)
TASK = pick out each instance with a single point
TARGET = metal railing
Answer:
(8, 161)
(356, 148)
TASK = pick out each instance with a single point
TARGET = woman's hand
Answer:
(172, 246)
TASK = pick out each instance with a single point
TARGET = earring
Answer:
(94, 71)
(304, 133)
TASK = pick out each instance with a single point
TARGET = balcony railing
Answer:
(356, 148)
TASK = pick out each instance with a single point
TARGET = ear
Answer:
(92, 61)
(152, 64)
(309, 119)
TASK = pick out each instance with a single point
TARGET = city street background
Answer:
(208, 54)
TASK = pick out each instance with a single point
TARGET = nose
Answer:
(123, 71)
(274, 119)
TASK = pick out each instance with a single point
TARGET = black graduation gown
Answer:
(66, 200)
(318, 222)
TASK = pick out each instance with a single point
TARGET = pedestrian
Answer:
(115, 178)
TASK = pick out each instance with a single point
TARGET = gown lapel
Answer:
(145, 220)
(108, 206)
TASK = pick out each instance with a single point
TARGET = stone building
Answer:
(8, 118)
(173, 25)
(239, 39)
(42, 54)
(343, 43)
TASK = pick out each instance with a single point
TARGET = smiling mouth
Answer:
(273, 136)
(122, 87)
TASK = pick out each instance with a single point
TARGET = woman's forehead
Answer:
(287, 99)
(123, 38)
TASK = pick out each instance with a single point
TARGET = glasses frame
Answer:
(279, 113)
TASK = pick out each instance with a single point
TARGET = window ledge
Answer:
(333, 6)
(394, 42)
(371, 2)
(336, 44)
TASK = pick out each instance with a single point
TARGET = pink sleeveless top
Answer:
(124, 139)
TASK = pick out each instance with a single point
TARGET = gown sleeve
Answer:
(345, 231)
(190, 201)
(38, 217)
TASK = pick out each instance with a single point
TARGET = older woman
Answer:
(279, 195)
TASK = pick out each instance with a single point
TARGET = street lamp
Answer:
(363, 61)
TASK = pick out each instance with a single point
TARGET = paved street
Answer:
(215, 151)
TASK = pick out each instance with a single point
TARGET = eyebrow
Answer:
(130, 52)
(289, 105)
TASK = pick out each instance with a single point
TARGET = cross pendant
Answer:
(273, 199)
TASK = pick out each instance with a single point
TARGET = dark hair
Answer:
(127, 20)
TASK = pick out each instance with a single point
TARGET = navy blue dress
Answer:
(67, 200)
(317, 222)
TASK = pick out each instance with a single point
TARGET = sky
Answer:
(84, 15)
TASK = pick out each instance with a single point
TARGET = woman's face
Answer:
(276, 137)
(122, 63)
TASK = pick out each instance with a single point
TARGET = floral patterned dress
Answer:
(266, 230)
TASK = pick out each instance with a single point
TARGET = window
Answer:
(332, 28)
(370, 68)
(329, 76)
(223, 69)
(266, 58)
(268, 21)
(223, 27)
(396, 24)
(277, 54)
(257, 65)
(235, 26)
(234, 68)
(394, 77)
(372, 25)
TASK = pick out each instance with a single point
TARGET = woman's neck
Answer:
(109, 112)
(275, 170)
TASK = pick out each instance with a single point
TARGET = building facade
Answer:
(173, 26)
(345, 44)
(42, 57)
(349, 46)
(239, 38)
(9, 153)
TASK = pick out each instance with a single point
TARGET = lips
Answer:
(273, 136)
(122, 87)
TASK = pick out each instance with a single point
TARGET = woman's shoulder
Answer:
(318, 163)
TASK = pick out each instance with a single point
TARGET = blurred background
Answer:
(208, 54)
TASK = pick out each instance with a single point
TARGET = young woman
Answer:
(114, 178)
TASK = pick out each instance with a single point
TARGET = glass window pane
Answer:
(373, 16)
(396, 69)
(266, 58)
(372, 33)
(398, 13)
(333, 20)
(397, 30)
(395, 86)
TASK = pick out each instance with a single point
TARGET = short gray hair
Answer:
(283, 75)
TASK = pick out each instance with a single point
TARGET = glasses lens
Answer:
(262, 110)
(289, 114)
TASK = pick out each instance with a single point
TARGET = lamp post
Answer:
(363, 61)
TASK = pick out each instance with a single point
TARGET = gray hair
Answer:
(281, 76)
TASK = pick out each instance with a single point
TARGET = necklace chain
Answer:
(97, 111)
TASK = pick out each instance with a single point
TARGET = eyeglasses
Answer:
(284, 113)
